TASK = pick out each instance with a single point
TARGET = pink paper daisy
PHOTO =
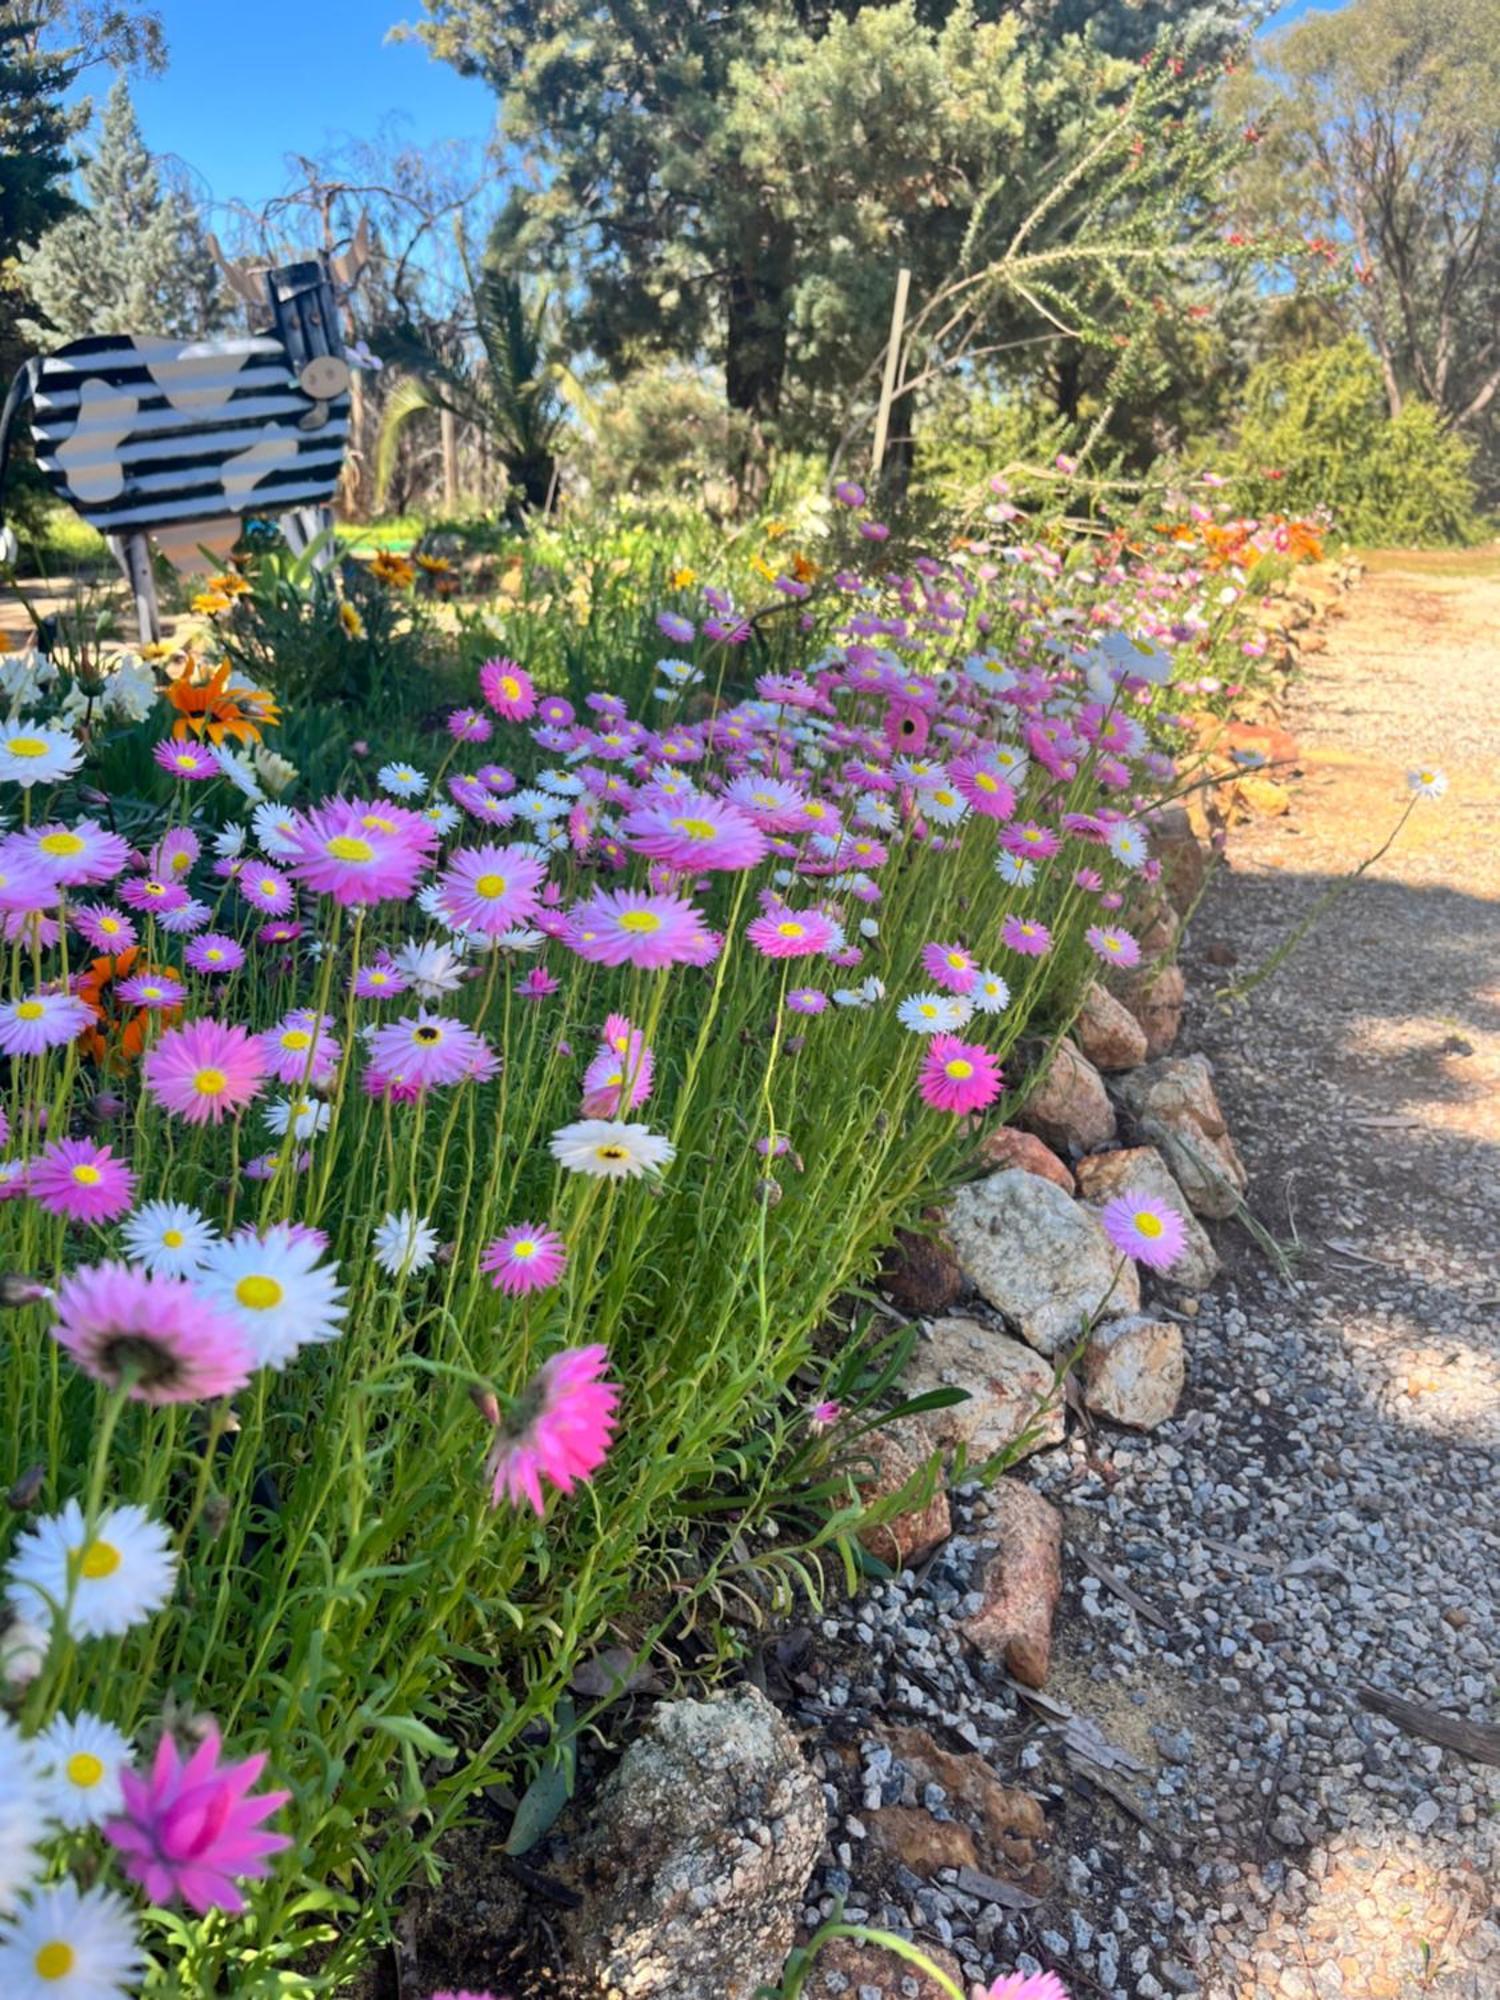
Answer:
(105, 929)
(204, 1069)
(1146, 1229)
(300, 1049)
(359, 855)
(78, 854)
(266, 887)
(491, 889)
(627, 927)
(1025, 1986)
(156, 991)
(618, 1080)
(214, 954)
(984, 784)
(794, 934)
(806, 1000)
(953, 968)
(526, 1258)
(1032, 940)
(508, 689)
(381, 981)
(119, 1323)
(84, 1182)
(192, 1827)
(559, 1429)
(694, 833)
(958, 1076)
(191, 762)
(148, 893)
(537, 984)
(1111, 946)
(470, 725)
(427, 1049)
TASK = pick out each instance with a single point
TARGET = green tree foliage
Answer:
(135, 260)
(743, 182)
(34, 133)
(1381, 138)
(1317, 432)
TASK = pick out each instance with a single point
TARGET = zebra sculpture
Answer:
(181, 439)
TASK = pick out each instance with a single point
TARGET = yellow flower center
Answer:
(296, 1039)
(84, 1769)
(210, 1082)
(380, 979)
(985, 782)
(957, 960)
(611, 1153)
(61, 842)
(109, 925)
(268, 886)
(152, 992)
(697, 829)
(1148, 1224)
(490, 886)
(181, 863)
(258, 1294)
(97, 1560)
(87, 1176)
(30, 1010)
(213, 952)
(1031, 834)
(54, 1960)
(185, 761)
(510, 687)
(172, 1239)
(928, 1011)
(643, 922)
(813, 810)
(790, 930)
(523, 1249)
(345, 847)
(429, 1035)
(959, 1068)
(27, 746)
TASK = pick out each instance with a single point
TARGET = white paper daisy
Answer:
(79, 1759)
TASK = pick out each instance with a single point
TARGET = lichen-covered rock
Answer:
(1010, 1390)
(1175, 1109)
(1039, 1258)
(920, 1273)
(1070, 1107)
(1020, 1580)
(1155, 1000)
(697, 1856)
(1133, 1371)
(1108, 1033)
(896, 1453)
(1008, 1146)
(1142, 1169)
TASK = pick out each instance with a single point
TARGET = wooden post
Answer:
(449, 427)
(133, 554)
(888, 382)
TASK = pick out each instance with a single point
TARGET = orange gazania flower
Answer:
(117, 1035)
(230, 584)
(804, 569)
(392, 569)
(434, 565)
(209, 708)
(209, 603)
(683, 579)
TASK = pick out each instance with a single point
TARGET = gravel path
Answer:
(1331, 1518)
(1323, 1514)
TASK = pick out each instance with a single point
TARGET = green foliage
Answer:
(662, 432)
(1321, 424)
(135, 260)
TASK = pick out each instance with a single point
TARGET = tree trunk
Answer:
(900, 455)
(449, 428)
(755, 357)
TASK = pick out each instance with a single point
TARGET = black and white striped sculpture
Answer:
(180, 439)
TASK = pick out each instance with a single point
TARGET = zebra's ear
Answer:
(242, 277)
(349, 263)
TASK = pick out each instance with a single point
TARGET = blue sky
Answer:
(248, 84)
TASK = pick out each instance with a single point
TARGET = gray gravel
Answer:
(1324, 1511)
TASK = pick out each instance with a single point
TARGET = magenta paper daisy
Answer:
(41, 1021)
(1037, 843)
(559, 1429)
(491, 889)
(105, 929)
(192, 762)
(1148, 1230)
(155, 991)
(205, 1069)
(954, 969)
(985, 785)
(470, 725)
(695, 833)
(508, 689)
(174, 854)
(537, 984)
(618, 1080)
(526, 1258)
(1032, 940)
(1025, 1986)
(381, 981)
(794, 934)
(149, 894)
(266, 887)
(1111, 946)
(121, 1324)
(958, 1076)
(300, 1048)
(628, 927)
(806, 1000)
(191, 1828)
(214, 954)
(82, 1181)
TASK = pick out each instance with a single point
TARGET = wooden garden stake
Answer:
(892, 361)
